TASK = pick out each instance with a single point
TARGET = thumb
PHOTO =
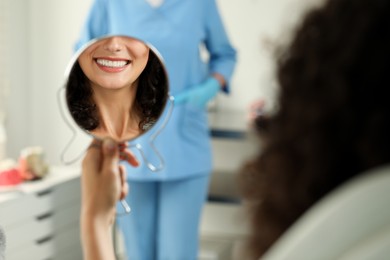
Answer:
(110, 160)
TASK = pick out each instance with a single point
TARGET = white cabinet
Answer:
(41, 218)
(233, 143)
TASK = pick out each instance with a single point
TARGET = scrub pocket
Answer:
(194, 124)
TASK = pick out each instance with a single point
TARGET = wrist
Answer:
(221, 79)
(104, 218)
(96, 237)
(92, 226)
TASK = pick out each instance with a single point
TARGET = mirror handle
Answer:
(152, 138)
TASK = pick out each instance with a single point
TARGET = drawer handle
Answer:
(45, 239)
(44, 192)
(45, 216)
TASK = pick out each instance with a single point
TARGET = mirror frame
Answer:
(74, 67)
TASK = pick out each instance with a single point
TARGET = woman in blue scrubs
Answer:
(166, 205)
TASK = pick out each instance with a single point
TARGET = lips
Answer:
(112, 65)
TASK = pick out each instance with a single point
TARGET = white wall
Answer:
(42, 35)
(17, 121)
(41, 38)
(57, 25)
(255, 27)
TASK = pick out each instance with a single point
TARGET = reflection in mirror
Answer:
(116, 87)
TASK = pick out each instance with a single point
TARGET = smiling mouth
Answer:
(112, 63)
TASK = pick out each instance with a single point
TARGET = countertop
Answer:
(56, 175)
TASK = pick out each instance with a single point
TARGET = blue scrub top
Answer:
(176, 29)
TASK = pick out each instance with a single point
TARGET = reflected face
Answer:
(97, 90)
(114, 62)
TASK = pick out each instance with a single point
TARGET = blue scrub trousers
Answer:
(164, 220)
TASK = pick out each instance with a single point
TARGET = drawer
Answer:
(66, 217)
(73, 253)
(31, 205)
(37, 227)
(62, 245)
(43, 223)
(58, 196)
(229, 154)
(27, 233)
(40, 238)
(67, 240)
(19, 209)
(66, 193)
(36, 251)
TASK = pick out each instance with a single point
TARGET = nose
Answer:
(113, 44)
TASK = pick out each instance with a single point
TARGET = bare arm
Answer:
(103, 183)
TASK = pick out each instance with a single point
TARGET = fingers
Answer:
(129, 157)
(108, 153)
(124, 184)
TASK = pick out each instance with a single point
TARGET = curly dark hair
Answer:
(151, 96)
(332, 120)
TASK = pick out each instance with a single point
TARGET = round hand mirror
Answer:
(116, 87)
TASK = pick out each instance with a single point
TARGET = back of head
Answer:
(333, 119)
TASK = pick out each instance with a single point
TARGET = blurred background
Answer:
(37, 39)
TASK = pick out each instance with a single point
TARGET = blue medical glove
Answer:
(199, 95)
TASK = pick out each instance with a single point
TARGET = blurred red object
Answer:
(10, 177)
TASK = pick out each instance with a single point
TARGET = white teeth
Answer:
(111, 63)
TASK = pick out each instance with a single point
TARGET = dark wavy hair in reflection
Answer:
(333, 117)
(152, 94)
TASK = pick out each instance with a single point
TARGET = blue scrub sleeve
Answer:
(222, 54)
